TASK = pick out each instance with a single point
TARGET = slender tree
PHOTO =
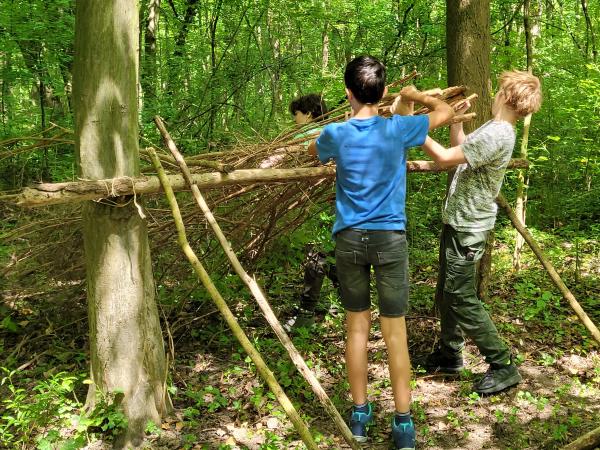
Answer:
(325, 53)
(176, 63)
(590, 36)
(126, 347)
(522, 178)
(149, 75)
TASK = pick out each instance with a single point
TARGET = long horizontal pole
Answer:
(45, 194)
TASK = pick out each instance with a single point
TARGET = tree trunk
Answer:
(468, 55)
(325, 53)
(42, 97)
(589, 32)
(521, 201)
(212, 26)
(126, 347)
(149, 78)
(507, 30)
(6, 104)
(275, 70)
(176, 63)
(528, 36)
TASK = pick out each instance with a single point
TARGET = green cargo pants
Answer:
(461, 311)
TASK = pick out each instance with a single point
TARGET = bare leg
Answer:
(358, 325)
(394, 334)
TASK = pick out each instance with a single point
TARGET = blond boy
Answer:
(469, 214)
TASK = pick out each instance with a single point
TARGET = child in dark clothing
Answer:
(317, 264)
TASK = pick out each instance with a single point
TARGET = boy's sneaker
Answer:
(497, 378)
(403, 432)
(439, 361)
(360, 419)
(302, 318)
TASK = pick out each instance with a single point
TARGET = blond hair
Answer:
(522, 91)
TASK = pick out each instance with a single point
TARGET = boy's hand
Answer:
(462, 106)
(435, 92)
(403, 105)
(409, 93)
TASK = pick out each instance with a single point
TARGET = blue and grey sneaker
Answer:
(360, 419)
(403, 432)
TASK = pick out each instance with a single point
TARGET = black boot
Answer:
(497, 378)
(440, 361)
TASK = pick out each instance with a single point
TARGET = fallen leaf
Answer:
(272, 423)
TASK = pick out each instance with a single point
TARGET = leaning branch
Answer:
(45, 194)
(588, 441)
(254, 354)
(258, 294)
(554, 276)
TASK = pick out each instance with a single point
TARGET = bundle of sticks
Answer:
(290, 146)
(252, 215)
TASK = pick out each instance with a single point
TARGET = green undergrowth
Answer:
(215, 385)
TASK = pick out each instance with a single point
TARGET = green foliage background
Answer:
(224, 72)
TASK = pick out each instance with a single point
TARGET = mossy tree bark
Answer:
(468, 53)
(126, 346)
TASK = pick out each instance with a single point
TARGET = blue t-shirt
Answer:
(370, 155)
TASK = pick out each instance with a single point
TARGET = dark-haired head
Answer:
(365, 77)
(312, 104)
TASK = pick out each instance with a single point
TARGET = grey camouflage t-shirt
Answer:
(470, 203)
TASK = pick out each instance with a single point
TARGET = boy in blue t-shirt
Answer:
(370, 156)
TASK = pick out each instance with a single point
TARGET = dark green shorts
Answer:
(387, 252)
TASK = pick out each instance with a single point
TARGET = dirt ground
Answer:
(221, 403)
(558, 400)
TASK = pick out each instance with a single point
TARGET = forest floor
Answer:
(558, 400)
(220, 402)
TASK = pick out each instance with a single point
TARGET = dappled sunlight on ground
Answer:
(220, 402)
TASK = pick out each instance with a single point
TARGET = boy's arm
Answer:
(440, 111)
(405, 107)
(457, 133)
(312, 148)
(444, 157)
(402, 107)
